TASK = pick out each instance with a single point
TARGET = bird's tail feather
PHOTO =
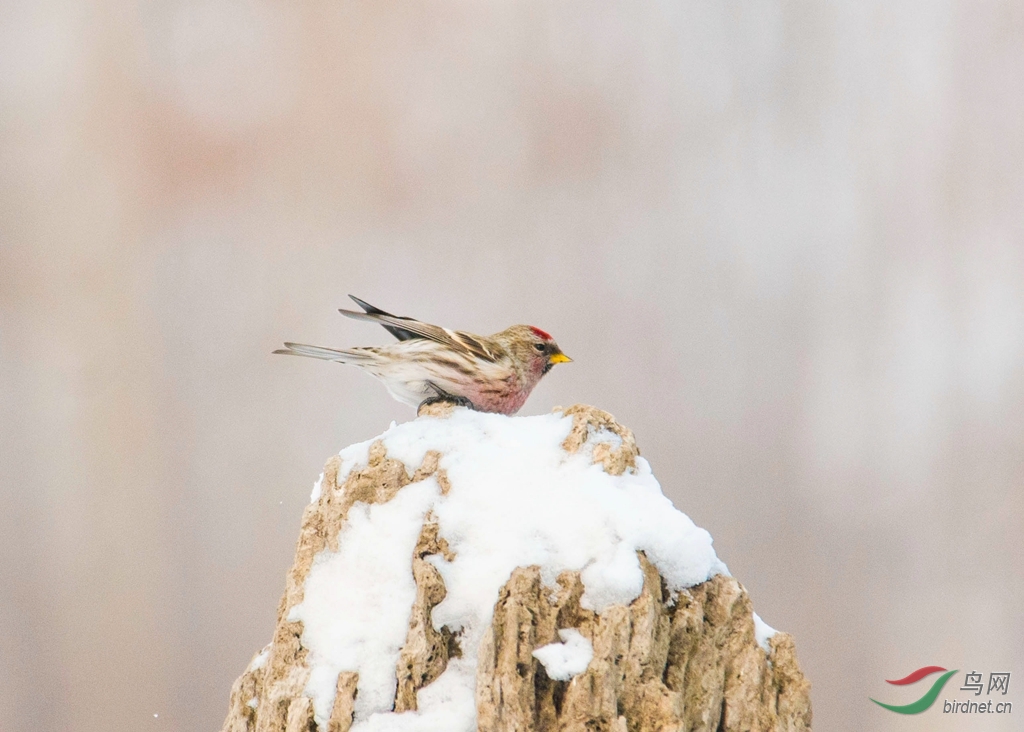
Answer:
(326, 354)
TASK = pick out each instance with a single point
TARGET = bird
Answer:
(431, 364)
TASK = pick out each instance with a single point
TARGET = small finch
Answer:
(431, 364)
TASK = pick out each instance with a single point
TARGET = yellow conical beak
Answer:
(558, 358)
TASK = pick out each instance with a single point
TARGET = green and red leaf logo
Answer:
(929, 697)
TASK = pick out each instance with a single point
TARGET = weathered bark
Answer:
(344, 702)
(425, 654)
(662, 664)
(261, 698)
(665, 663)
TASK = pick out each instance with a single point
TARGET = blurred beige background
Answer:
(783, 241)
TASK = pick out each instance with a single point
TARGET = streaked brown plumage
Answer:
(429, 363)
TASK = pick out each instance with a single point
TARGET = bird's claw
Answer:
(443, 397)
(458, 401)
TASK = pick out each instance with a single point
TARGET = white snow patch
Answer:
(564, 660)
(355, 609)
(763, 633)
(516, 499)
(315, 495)
(259, 660)
(447, 705)
(596, 437)
(352, 457)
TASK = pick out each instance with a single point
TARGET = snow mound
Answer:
(564, 660)
(763, 633)
(516, 498)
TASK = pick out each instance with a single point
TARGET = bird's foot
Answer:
(442, 405)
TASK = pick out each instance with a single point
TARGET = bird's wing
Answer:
(407, 328)
(473, 345)
(401, 334)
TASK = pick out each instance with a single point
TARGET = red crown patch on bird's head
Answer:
(540, 333)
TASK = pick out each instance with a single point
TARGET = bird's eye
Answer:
(539, 346)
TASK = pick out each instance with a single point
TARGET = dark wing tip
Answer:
(383, 318)
(367, 306)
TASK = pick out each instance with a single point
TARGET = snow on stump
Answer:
(469, 571)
